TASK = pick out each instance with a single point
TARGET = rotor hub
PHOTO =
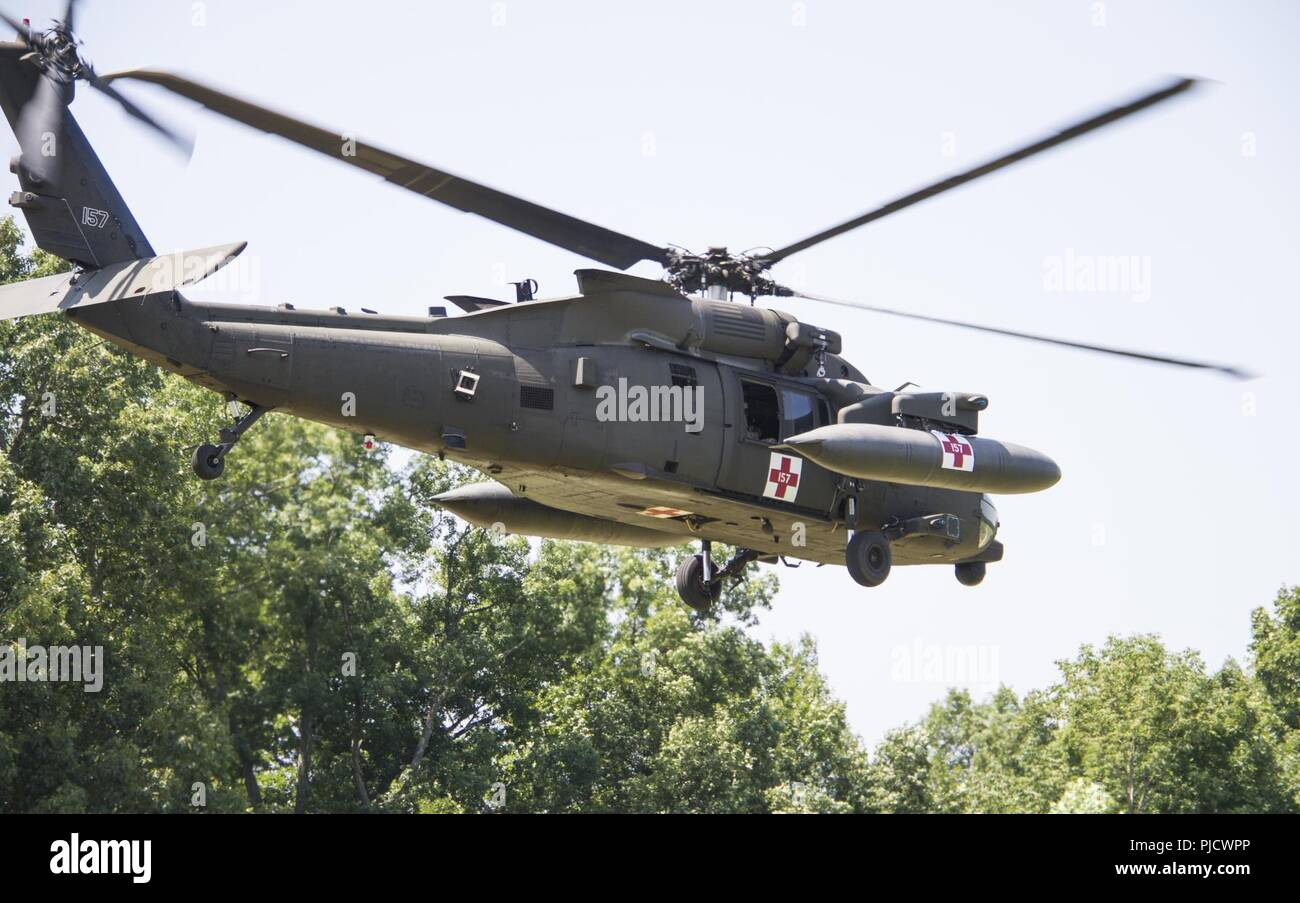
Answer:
(56, 54)
(718, 268)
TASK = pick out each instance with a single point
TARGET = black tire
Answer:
(970, 573)
(869, 558)
(208, 462)
(690, 584)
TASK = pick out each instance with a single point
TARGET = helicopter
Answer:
(641, 412)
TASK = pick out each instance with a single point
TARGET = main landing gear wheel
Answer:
(970, 573)
(209, 461)
(691, 586)
(869, 558)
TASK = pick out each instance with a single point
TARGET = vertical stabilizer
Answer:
(79, 216)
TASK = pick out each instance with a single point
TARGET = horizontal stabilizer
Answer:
(129, 279)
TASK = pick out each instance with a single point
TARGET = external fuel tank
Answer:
(915, 457)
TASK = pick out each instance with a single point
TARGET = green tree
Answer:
(672, 714)
(1275, 654)
(1275, 648)
(1160, 734)
(1130, 727)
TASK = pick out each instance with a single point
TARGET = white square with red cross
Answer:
(783, 477)
(957, 451)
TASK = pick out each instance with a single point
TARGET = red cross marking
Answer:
(957, 448)
(784, 478)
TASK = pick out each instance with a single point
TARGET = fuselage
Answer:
(667, 428)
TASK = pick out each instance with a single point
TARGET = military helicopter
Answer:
(637, 411)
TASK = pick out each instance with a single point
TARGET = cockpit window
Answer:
(762, 416)
(799, 411)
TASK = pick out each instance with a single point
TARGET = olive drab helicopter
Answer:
(637, 411)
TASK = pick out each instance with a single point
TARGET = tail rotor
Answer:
(56, 53)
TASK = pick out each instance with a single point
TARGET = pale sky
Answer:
(758, 122)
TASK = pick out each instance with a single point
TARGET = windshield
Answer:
(988, 520)
(799, 411)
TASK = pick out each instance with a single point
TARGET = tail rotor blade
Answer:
(24, 30)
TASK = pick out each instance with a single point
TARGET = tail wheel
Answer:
(208, 462)
(970, 573)
(869, 558)
(690, 584)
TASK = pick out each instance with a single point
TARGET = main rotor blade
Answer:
(1015, 156)
(68, 14)
(183, 142)
(596, 242)
(1234, 372)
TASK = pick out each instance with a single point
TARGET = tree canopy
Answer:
(311, 633)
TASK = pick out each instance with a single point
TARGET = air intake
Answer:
(537, 398)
